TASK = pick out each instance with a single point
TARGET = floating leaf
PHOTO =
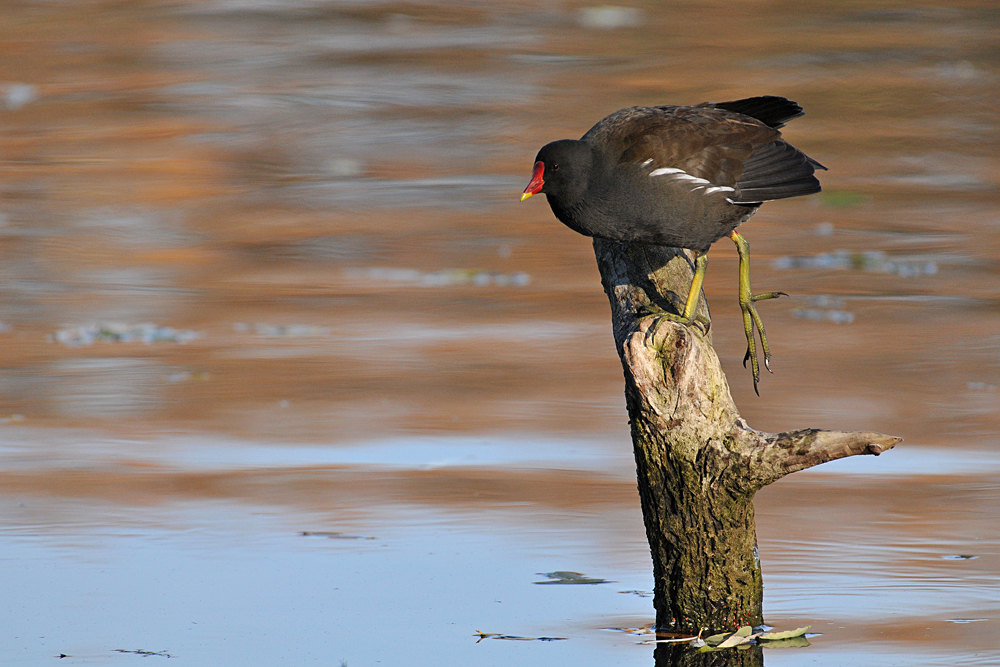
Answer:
(794, 642)
(787, 634)
(743, 635)
(715, 640)
(565, 577)
(736, 639)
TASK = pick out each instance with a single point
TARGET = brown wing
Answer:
(704, 143)
(725, 148)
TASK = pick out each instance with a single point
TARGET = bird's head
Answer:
(561, 171)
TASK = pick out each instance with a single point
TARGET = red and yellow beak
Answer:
(535, 186)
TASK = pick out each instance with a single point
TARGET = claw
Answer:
(767, 295)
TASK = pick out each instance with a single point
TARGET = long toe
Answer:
(749, 319)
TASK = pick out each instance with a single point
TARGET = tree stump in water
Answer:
(698, 463)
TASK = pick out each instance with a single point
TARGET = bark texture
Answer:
(697, 461)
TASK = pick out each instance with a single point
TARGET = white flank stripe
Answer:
(719, 188)
(647, 163)
(666, 170)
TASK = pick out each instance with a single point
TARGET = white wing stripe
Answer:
(692, 179)
(681, 175)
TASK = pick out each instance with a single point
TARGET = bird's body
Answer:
(680, 176)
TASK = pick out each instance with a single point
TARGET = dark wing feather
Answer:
(732, 144)
(776, 171)
(771, 110)
(713, 146)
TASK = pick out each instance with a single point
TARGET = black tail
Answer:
(776, 171)
(771, 110)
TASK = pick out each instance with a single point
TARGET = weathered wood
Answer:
(697, 461)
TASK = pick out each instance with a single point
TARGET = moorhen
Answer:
(680, 176)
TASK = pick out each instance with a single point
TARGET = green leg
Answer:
(691, 305)
(750, 316)
(694, 294)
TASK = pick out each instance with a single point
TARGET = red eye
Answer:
(555, 167)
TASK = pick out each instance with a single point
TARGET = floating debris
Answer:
(642, 594)
(965, 620)
(514, 638)
(648, 629)
(19, 94)
(980, 386)
(745, 635)
(114, 332)
(334, 535)
(344, 167)
(564, 577)
(872, 261)
(960, 557)
(675, 640)
(610, 17)
(286, 330)
(443, 278)
(144, 653)
(188, 376)
(817, 315)
(825, 309)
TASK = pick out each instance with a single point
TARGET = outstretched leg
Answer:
(750, 316)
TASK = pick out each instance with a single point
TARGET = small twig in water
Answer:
(144, 653)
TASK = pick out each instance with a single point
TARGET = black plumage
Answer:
(680, 176)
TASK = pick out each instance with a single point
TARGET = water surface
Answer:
(266, 273)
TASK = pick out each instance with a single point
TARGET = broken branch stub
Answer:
(697, 461)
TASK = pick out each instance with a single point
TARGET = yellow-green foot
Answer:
(751, 319)
(688, 316)
(659, 315)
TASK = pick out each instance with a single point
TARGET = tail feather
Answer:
(771, 110)
(776, 171)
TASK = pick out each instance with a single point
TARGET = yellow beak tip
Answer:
(526, 195)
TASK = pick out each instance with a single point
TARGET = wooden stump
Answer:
(698, 463)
